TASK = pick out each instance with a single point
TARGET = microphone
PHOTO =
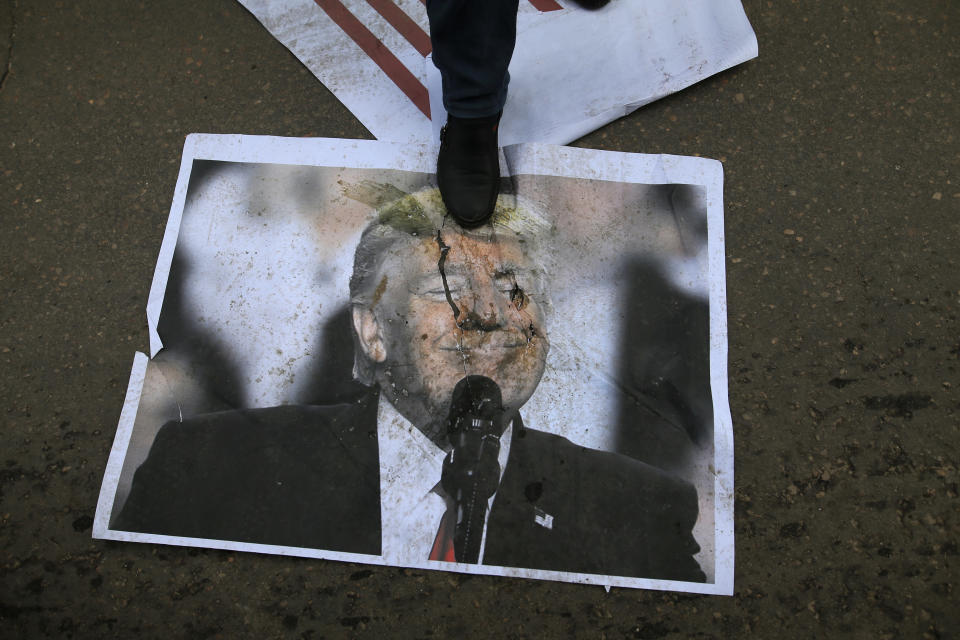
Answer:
(471, 471)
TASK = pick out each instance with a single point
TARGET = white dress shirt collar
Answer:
(410, 468)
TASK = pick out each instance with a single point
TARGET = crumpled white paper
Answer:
(572, 71)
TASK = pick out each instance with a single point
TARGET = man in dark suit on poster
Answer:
(433, 462)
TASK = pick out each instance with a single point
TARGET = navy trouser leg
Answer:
(472, 45)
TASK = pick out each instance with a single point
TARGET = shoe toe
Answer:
(470, 204)
(468, 171)
(469, 194)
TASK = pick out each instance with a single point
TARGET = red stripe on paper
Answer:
(388, 63)
(546, 5)
(404, 25)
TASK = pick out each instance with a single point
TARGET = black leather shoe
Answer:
(468, 168)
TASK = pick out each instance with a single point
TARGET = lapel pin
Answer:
(542, 518)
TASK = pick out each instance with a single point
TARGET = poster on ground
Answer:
(339, 371)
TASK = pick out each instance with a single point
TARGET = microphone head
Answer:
(474, 426)
(478, 396)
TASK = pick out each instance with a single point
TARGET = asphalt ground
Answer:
(840, 153)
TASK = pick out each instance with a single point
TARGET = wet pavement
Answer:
(840, 153)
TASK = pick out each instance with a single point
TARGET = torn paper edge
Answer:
(111, 476)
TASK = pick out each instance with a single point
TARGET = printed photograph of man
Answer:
(432, 461)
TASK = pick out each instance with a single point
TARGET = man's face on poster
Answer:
(487, 320)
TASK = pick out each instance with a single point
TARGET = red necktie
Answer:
(443, 544)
